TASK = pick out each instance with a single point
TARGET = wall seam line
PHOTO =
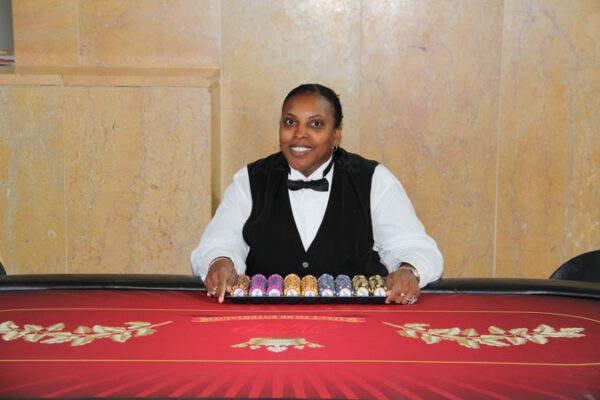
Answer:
(498, 135)
(64, 155)
(77, 28)
(360, 36)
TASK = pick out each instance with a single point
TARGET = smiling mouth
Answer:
(299, 150)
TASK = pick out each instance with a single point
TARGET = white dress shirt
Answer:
(398, 234)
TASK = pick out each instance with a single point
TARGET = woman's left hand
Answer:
(403, 287)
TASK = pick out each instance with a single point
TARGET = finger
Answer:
(213, 290)
(395, 295)
(233, 277)
(404, 295)
(209, 287)
(402, 299)
(391, 295)
(393, 292)
(388, 298)
(398, 287)
(412, 294)
(221, 291)
(210, 284)
(226, 284)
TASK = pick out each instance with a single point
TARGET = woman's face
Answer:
(306, 132)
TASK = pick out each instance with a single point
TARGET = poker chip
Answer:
(343, 286)
(258, 285)
(360, 284)
(326, 285)
(310, 287)
(240, 288)
(376, 286)
(292, 285)
(275, 285)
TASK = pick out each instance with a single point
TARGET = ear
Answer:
(337, 134)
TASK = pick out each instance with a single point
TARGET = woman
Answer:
(314, 208)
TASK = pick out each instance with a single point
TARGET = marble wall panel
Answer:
(137, 166)
(429, 112)
(32, 206)
(216, 158)
(149, 33)
(271, 47)
(549, 180)
(45, 32)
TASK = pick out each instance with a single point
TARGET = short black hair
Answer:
(323, 91)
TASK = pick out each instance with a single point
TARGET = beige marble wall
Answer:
(32, 209)
(131, 141)
(103, 173)
(270, 47)
(137, 179)
(117, 33)
(45, 32)
(429, 112)
(149, 33)
(549, 161)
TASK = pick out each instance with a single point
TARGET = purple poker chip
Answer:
(258, 285)
(275, 285)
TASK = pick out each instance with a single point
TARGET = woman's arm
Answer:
(399, 235)
(223, 235)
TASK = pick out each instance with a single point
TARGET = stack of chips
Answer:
(326, 285)
(343, 286)
(292, 285)
(360, 285)
(309, 286)
(240, 288)
(275, 285)
(377, 286)
(258, 285)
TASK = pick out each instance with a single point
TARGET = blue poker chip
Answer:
(343, 286)
(326, 285)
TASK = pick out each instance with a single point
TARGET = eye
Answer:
(316, 123)
(288, 122)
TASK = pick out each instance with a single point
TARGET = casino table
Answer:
(81, 336)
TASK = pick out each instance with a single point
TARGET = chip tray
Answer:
(306, 299)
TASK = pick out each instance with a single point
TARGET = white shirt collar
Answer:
(317, 174)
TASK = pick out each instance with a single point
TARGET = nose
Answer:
(300, 132)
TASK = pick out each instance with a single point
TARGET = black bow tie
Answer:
(320, 185)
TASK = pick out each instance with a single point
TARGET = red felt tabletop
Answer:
(170, 343)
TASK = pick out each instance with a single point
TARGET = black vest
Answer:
(344, 241)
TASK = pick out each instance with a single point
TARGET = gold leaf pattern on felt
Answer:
(277, 345)
(496, 336)
(82, 335)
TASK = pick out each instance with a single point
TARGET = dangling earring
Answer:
(334, 149)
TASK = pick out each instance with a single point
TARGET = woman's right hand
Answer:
(220, 278)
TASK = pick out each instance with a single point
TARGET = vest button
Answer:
(305, 264)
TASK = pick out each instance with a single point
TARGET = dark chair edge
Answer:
(584, 267)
